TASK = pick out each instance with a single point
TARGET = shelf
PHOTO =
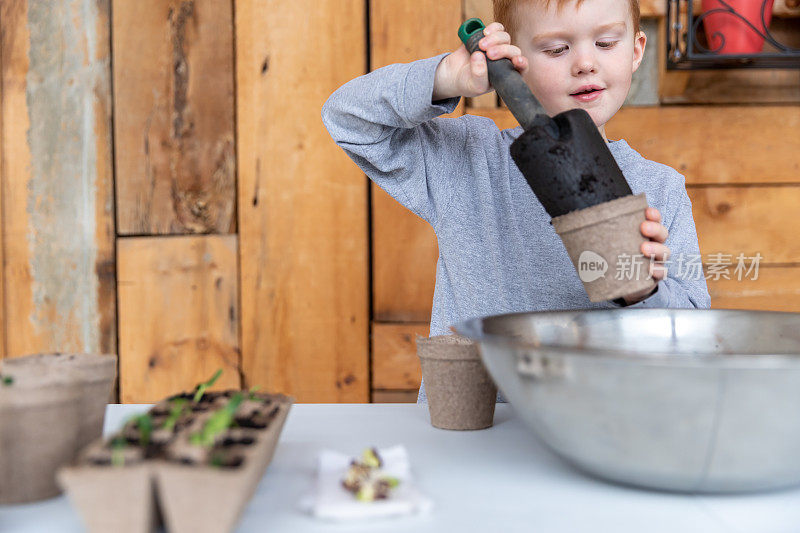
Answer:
(687, 48)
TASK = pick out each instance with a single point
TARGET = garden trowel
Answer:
(564, 159)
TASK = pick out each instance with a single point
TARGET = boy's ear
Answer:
(638, 49)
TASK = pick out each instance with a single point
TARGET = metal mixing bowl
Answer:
(674, 399)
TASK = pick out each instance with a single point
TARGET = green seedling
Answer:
(217, 422)
(145, 424)
(202, 387)
(176, 409)
(118, 451)
(7, 381)
(253, 390)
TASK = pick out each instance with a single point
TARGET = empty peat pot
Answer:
(51, 406)
(604, 244)
(461, 394)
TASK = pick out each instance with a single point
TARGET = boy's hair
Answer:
(505, 12)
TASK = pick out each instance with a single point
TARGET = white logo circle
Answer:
(591, 266)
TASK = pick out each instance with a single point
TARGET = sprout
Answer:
(201, 388)
(177, 407)
(118, 451)
(370, 457)
(217, 422)
(366, 480)
(145, 424)
(366, 493)
(7, 380)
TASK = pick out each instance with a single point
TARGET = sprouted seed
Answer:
(217, 422)
(7, 381)
(118, 451)
(144, 423)
(176, 409)
(366, 480)
(202, 387)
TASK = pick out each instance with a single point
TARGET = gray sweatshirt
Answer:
(498, 252)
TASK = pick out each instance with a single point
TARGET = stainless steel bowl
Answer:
(673, 399)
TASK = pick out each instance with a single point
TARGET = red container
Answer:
(739, 37)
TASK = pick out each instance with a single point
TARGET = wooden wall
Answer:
(215, 225)
(56, 177)
(169, 193)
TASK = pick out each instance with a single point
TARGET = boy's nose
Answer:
(584, 63)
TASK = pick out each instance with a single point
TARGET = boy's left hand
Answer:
(655, 248)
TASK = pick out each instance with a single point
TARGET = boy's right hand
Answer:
(462, 74)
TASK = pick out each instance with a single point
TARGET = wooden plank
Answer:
(58, 219)
(502, 117)
(178, 314)
(708, 144)
(405, 252)
(483, 10)
(716, 144)
(403, 244)
(763, 86)
(174, 133)
(395, 396)
(302, 202)
(395, 364)
(747, 220)
(401, 32)
(775, 289)
(3, 35)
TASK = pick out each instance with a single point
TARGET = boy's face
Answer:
(578, 47)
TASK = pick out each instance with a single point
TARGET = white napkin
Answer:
(331, 501)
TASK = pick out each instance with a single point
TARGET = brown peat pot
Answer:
(52, 406)
(461, 395)
(604, 243)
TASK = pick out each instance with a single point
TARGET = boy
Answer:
(498, 252)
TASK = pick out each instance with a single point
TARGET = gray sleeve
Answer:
(685, 284)
(384, 122)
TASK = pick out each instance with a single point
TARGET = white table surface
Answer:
(499, 479)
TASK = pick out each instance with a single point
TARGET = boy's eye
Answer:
(606, 44)
(556, 51)
(601, 44)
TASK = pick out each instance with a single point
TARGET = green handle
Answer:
(470, 28)
(503, 77)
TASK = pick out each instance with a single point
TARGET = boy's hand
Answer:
(654, 248)
(460, 74)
